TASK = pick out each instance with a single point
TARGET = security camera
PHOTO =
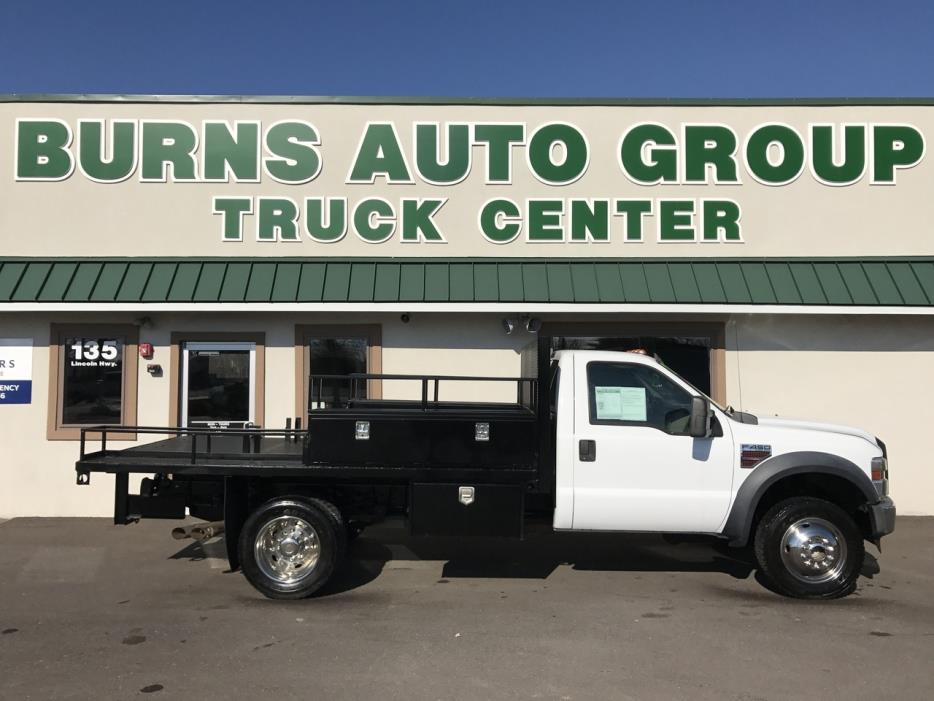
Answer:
(509, 325)
(533, 324)
(405, 318)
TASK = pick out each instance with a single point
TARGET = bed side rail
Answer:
(341, 390)
(202, 438)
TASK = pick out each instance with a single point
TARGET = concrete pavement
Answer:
(93, 611)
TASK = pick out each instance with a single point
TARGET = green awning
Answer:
(905, 282)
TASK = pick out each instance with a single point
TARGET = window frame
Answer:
(56, 428)
(304, 333)
(592, 404)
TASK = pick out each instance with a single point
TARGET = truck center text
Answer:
(556, 154)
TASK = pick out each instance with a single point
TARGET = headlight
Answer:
(880, 475)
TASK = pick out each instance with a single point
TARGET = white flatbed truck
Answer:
(597, 440)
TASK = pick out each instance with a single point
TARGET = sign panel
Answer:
(15, 371)
(253, 179)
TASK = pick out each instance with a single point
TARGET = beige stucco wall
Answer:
(874, 373)
(133, 218)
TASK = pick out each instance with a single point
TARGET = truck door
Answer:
(634, 467)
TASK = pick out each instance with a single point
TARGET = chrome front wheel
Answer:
(809, 548)
(813, 550)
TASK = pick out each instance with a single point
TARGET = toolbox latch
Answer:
(465, 495)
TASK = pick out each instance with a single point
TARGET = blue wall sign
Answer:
(15, 371)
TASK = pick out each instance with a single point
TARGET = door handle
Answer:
(587, 450)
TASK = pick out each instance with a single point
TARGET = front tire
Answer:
(809, 548)
(290, 546)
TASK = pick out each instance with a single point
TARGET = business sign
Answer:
(338, 179)
(15, 370)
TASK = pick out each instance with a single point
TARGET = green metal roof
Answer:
(794, 281)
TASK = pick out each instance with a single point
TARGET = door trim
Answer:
(218, 346)
(179, 338)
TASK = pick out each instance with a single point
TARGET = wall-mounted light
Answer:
(532, 324)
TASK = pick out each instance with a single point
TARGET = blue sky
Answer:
(653, 48)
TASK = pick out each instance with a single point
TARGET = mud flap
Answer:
(235, 513)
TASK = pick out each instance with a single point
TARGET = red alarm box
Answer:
(145, 351)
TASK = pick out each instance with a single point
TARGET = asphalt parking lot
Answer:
(93, 611)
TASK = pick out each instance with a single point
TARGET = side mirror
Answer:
(699, 425)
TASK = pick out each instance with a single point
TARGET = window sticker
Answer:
(621, 403)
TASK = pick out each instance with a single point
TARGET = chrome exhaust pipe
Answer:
(199, 531)
(206, 531)
(182, 532)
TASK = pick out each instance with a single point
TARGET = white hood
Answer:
(779, 422)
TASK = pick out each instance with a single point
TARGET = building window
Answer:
(92, 377)
(337, 356)
(338, 349)
(217, 379)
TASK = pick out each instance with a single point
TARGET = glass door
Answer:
(218, 385)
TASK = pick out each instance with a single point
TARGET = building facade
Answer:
(189, 261)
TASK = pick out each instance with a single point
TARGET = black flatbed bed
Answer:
(409, 440)
(277, 457)
(221, 445)
(368, 456)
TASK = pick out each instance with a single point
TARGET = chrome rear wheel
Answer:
(287, 549)
(290, 546)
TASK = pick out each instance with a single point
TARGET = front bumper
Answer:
(881, 518)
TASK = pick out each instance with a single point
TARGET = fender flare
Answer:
(738, 525)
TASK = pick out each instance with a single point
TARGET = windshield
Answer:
(726, 410)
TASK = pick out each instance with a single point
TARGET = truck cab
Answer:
(637, 448)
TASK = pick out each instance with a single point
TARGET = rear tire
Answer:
(809, 548)
(290, 546)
